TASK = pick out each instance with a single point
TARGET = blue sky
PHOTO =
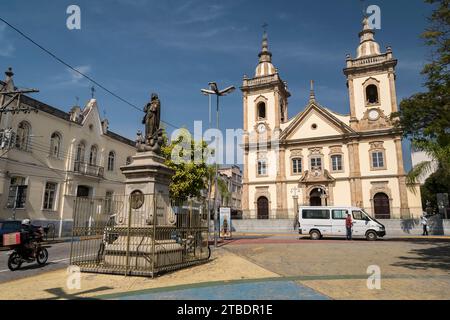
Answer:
(174, 48)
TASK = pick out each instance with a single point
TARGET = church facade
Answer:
(320, 157)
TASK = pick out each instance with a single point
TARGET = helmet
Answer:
(26, 222)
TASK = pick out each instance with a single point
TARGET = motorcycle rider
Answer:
(30, 233)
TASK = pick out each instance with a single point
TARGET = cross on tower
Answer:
(265, 25)
(92, 92)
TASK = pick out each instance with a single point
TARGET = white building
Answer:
(324, 157)
(58, 156)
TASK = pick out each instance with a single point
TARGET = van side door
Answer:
(360, 223)
(339, 216)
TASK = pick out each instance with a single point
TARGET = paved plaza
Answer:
(277, 267)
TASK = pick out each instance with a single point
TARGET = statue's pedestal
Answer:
(146, 211)
(147, 173)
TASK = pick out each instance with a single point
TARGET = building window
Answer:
(336, 162)
(111, 158)
(372, 94)
(316, 163)
(261, 111)
(93, 156)
(378, 160)
(55, 145)
(296, 166)
(49, 196)
(262, 167)
(109, 201)
(17, 193)
(23, 136)
(80, 152)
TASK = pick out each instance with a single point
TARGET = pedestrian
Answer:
(424, 222)
(349, 226)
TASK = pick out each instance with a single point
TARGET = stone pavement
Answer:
(273, 268)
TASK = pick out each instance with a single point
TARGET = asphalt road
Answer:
(58, 258)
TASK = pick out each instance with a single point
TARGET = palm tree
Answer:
(224, 191)
(439, 160)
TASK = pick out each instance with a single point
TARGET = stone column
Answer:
(351, 92)
(404, 207)
(282, 212)
(245, 189)
(355, 174)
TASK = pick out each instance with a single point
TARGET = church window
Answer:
(377, 154)
(262, 167)
(336, 162)
(316, 163)
(377, 160)
(372, 94)
(261, 110)
(296, 165)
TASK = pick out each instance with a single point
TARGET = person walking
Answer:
(349, 226)
(424, 222)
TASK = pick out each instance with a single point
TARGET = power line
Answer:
(77, 71)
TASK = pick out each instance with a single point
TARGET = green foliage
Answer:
(190, 176)
(224, 192)
(425, 117)
(438, 182)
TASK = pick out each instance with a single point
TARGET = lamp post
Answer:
(214, 90)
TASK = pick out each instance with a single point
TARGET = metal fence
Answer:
(138, 234)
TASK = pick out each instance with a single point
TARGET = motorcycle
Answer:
(28, 253)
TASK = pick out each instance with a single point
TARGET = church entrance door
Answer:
(263, 208)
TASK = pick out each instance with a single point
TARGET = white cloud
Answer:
(6, 48)
(72, 78)
(75, 76)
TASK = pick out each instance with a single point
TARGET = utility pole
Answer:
(8, 94)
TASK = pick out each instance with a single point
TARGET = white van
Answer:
(321, 222)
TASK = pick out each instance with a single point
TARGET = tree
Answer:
(185, 156)
(223, 190)
(425, 117)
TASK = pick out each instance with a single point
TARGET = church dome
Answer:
(368, 46)
(265, 66)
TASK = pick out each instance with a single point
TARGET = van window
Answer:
(316, 214)
(358, 215)
(339, 214)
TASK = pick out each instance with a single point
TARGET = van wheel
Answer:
(371, 236)
(315, 235)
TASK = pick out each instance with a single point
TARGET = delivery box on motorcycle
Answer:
(11, 239)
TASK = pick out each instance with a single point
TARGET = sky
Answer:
(174, 48)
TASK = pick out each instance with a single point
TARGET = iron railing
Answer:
(88, 169)
(138, 235)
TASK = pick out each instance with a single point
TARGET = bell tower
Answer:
(371, 83)
(265, 107)
(265, 95)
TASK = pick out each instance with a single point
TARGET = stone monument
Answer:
(146, 204)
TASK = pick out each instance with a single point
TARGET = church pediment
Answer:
(316, 176)
(315, 121)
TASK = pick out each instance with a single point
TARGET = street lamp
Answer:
(214, 90)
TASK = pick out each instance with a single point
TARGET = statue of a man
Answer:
(152, 118)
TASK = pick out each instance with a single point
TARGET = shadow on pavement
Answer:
(59, 293)
(436, 256)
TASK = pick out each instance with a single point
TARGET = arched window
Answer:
(55, 145)
(80, 152)
(372, 94)
(261, 110)
(23, 136)
(93, 156)
(111, 158)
